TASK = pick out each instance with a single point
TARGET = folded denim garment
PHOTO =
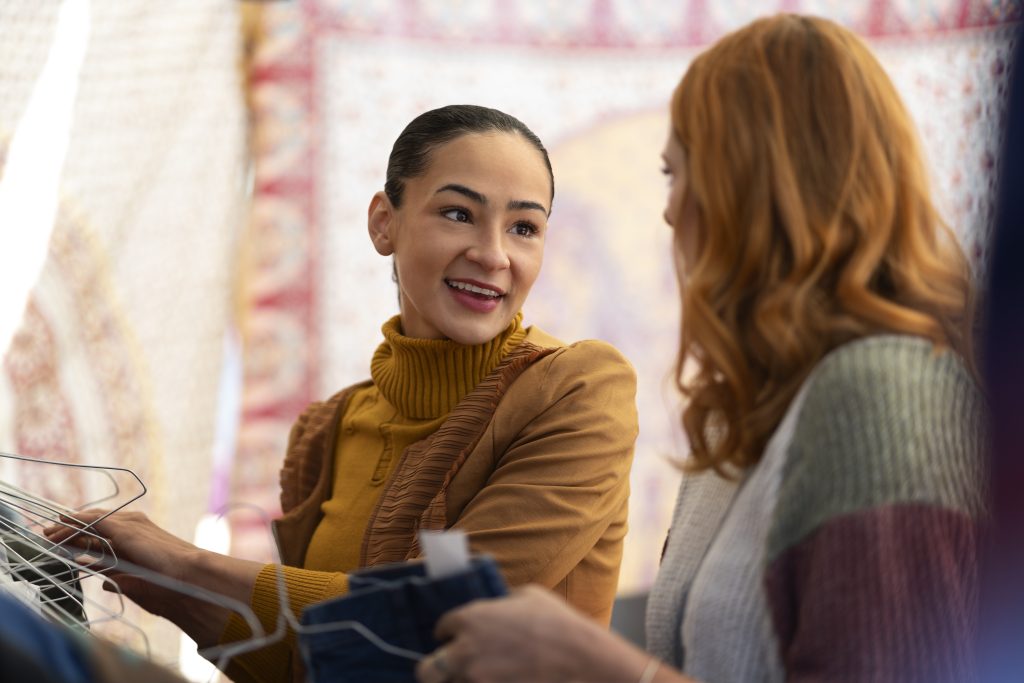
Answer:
(397, 603)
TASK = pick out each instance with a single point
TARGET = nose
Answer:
(489, 250)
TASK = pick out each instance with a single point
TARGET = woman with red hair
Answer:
(828, 520)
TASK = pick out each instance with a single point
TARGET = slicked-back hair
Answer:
(410, 155)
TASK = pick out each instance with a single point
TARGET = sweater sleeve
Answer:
(872, 570)
(303, 587)
(559, 489)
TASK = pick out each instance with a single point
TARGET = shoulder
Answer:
(588, 355)
(580, 377)
(889, 397)
(884, 420)
(887, 368)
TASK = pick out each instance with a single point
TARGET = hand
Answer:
(530, 636)
(132, 537)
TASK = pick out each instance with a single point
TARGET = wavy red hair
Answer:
(815, 226)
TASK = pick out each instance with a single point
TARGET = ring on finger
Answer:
(440, 662)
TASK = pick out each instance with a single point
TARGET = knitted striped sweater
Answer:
(849, 553)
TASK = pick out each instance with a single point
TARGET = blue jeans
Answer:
(399, 604)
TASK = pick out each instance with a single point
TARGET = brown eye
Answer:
(525, 229)
(457, 215)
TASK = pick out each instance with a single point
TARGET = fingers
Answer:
(80, 533)
(453, 621)
(69, 525)
(481, 611)
(456, 620)
(437, 667)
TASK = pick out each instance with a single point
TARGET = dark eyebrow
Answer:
(464, 191)
(525, 204)
(513, 205)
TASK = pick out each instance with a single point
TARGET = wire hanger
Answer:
(48, 575)
(58, 568)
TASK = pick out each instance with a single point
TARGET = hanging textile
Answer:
(118, 355)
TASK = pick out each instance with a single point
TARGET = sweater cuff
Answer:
(304, 587)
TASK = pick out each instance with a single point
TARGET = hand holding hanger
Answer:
(137, 540)
(101, 544)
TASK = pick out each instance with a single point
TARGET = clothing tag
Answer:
(445, 552)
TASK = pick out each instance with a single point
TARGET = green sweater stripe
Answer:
(887, 420)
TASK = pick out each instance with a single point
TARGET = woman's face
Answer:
(680, 208)
(468, 239)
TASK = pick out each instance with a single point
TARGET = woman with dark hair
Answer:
(828, 521)
(470, 420)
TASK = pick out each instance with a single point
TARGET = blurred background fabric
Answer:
(207, 272)
(117, 357)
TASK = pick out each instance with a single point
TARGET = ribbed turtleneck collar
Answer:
(425, 378)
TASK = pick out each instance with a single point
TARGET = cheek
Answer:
(421, 256)
(679, 260)
(529, 263)
(689, 234)
(672, 205)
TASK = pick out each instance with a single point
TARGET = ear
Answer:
(379, 221)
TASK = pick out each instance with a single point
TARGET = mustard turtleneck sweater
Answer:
(416, 383)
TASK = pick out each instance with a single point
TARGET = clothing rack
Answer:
(48, 577)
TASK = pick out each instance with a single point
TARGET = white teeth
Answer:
(472, 288)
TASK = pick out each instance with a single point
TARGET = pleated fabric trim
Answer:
(415, 496)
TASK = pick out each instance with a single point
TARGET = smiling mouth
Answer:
(475, 290)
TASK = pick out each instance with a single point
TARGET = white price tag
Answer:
(445, 552)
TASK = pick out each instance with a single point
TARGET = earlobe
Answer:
(379, 218)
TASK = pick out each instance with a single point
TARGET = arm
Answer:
(300, 474)
(558, 492)
(533, 636)
(872, 556)
(137, 540)
(885, 594)
(529, 509)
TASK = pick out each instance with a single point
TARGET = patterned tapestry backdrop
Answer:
(334, 82)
